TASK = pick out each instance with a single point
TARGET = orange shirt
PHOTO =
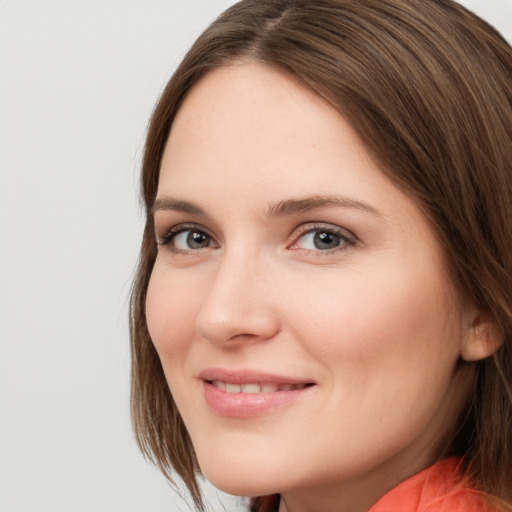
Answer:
(438, 488)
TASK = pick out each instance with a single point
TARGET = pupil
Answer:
(197, 240)
(325, 240)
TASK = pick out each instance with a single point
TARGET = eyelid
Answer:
(166, 238)
(311, 227)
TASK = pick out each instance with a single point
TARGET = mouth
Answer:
(248, 393)
(254, 387)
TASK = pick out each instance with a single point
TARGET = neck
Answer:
(354, 495)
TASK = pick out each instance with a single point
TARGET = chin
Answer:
(237, 488)
(237, 485)
(243, 478)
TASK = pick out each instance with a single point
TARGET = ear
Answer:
(483, 337)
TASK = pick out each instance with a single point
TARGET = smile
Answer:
(255, 387)
(245, 394)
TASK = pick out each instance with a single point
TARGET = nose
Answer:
(239, 305)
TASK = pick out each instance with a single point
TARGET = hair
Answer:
(427, 86)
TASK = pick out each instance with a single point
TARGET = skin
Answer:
(374, 322)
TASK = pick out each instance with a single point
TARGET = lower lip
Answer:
(245, 405)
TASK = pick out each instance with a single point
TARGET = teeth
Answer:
(251, 388)
(255, 388)
(219, 384)
(233, 388)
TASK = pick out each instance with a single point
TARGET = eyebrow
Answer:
(306, 204)
(280, 209)
(177, 205)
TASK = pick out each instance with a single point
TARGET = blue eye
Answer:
(187, 239)
(323, 239)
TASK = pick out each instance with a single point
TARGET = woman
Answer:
(321, 317)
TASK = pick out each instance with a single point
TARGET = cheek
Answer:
(170, 315)
(365, 319)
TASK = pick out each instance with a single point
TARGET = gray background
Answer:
(78, 83)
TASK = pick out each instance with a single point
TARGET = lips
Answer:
(256, 387)
(249, 377)
(249, 393)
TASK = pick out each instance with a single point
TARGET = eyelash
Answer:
(346, 239)
(173, 232)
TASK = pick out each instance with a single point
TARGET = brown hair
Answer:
(427, 86)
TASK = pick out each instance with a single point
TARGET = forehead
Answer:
(248, 120)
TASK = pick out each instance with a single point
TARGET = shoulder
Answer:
(439, 488)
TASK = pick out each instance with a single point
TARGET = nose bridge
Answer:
(238, 304)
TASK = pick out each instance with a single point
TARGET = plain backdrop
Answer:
(78, 81)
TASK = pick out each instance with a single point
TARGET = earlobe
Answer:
(483, 338)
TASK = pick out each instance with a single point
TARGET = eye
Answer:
(323, 238)
(191, 239)
(184, 238)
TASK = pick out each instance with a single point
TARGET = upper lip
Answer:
(248, 377)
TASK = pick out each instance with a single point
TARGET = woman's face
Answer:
(299, 302)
